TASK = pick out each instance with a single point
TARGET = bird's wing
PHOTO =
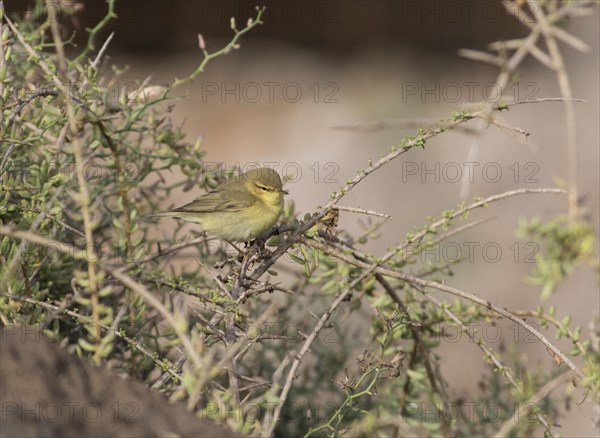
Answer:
(218, 200)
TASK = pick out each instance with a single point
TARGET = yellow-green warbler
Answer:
(240, 209)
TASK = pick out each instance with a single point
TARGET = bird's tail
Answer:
(163, 214)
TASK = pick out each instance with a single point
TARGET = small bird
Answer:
(240, 209)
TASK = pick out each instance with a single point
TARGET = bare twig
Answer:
(565, 88)
(96, 61)
(477, 55)
(100, 54)
(382, 125)
(546, 99)
(501, 125)
(361, 211)
(233, 44)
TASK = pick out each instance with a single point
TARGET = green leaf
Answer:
(296, 259)
(415, 375)
(83, 343)
(116, 223)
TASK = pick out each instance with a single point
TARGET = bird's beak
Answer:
(285, 192)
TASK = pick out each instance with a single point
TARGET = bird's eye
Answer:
(263, 188)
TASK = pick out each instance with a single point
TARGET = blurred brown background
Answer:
(314, 65)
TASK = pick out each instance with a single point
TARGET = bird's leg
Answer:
(261, 241)
(260, 244)
(240, 253)
(260, 248)
(272, 232)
